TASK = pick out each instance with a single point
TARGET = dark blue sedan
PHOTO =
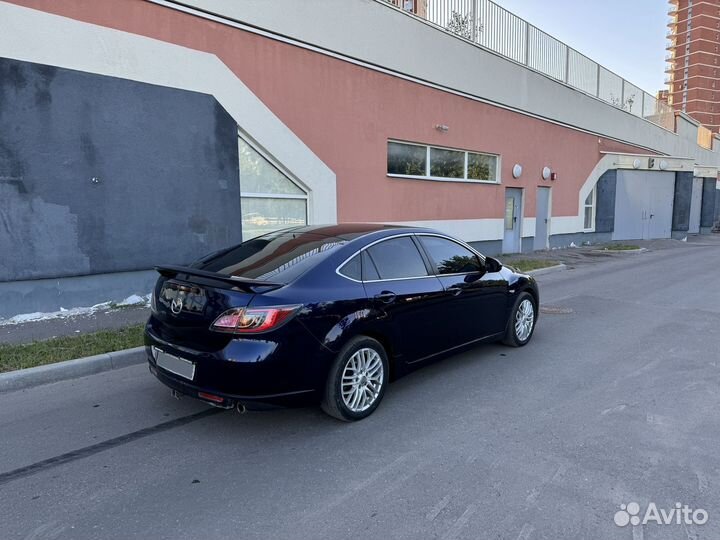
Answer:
(328, 314)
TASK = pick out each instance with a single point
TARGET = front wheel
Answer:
(357, 380)
(522, 321)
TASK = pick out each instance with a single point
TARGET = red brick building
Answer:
(694, 60)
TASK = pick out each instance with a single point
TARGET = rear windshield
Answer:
(279, 257)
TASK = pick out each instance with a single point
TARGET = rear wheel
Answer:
(357, 380)
(522, 321)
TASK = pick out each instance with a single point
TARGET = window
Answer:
(369, 272)
(397, 258)
(407, 159)
(589, 222)
(353, 268)
(270, 200)
(280, 257)
(450, 257)
(434, 163)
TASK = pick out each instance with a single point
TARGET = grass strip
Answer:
(58, 349)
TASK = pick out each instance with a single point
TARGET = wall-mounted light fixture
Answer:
(663, 165)
(546, 172)
(553, 176)
(442, 128)
(636, 164)
(517, 170)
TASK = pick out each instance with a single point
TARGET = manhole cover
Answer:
(555, 310)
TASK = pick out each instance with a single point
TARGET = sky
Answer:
(625, 36)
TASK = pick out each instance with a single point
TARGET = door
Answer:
(643, 205)
(401, 288)
(513, 220)
(661, 187)
(696, 206)
(475, 301)
(542, 219)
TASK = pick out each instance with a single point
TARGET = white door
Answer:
(542, 218)
(695, 205)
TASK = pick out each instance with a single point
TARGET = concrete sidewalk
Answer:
(79, 324)
(589, 255)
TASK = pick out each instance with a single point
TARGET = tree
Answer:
(460, 24)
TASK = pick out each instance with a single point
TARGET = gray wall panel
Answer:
(682, 200)
(707, 214)
(605, 202)
(165, 159)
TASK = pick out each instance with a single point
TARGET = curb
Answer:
(70, 369)
(546, 270)
(639, 250)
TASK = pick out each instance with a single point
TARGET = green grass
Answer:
(621, 247)
(39, 353)
(525, 265)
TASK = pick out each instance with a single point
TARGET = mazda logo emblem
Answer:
(177, 304)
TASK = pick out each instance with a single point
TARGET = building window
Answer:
(269, 199)
(589, 221)
(426, 162)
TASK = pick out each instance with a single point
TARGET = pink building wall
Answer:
(346, 113)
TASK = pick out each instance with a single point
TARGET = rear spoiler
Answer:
(246, 283)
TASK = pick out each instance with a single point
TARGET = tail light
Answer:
(253, 320)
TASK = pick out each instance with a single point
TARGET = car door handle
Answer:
(454, 290)
(386, 297)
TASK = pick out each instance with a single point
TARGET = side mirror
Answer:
(492, 265)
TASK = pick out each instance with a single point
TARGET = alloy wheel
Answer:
(524, 319)
(362, 380)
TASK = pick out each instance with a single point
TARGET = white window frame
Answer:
(427, 175)
(593, 207)
(253, 195)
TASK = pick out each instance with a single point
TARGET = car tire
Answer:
(357, 380)
(523, 313)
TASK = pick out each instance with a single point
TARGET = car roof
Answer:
(351, 231)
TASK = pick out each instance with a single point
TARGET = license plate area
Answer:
(174, 364)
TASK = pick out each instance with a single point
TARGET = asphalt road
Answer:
(615, 402)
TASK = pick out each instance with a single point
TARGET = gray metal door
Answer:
(542, 218)
(661, 188)
(643, 205)
(513, 219)
(695, 205)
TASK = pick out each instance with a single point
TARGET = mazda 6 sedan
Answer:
(328, 314)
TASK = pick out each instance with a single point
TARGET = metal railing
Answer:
(492, 27)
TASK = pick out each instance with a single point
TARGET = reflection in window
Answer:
(423, 161)
(450, 257)
(589, 221)
(407, 159)
(397, 258)
(447, 163)
(481, 167)
(269, 199)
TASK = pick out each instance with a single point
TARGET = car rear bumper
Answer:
(245, 371)
(228, 401)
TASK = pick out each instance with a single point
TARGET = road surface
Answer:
(614, 401)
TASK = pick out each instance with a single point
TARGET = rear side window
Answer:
(450, 257)
(279, 257)
(353, 268)
(397, 258)
(369, 271)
